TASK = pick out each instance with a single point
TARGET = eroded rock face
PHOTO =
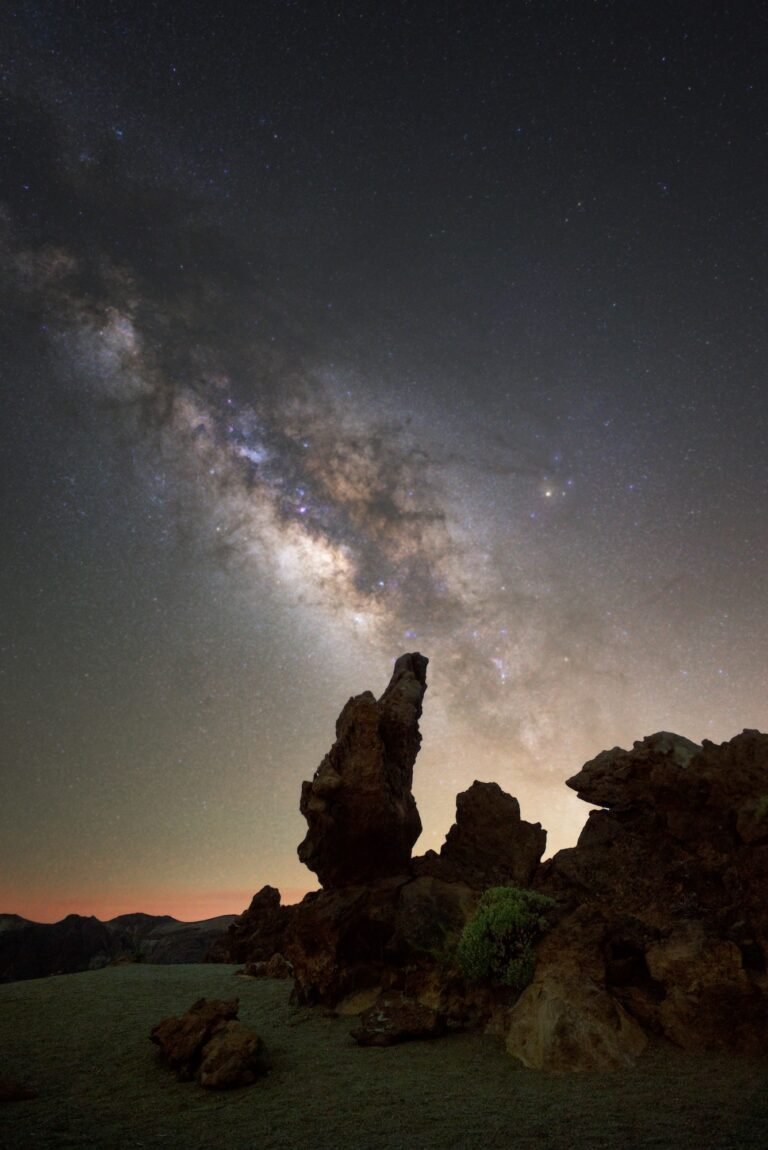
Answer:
(210, 1045)
(489, 844)
(257, 934)
(672, 878)
(392, 935)
(361, 813)
(572, 1024)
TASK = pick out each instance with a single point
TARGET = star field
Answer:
(335, 331)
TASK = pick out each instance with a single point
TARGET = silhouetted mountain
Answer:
(35, 949)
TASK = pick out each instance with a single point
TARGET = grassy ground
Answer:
(81, 1040)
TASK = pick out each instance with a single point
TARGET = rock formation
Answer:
(256, 934)
(665, 895)
(661, 918)
(361, 813)
(489, 844)
(208, 1044)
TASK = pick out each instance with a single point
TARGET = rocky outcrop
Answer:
(660, 922)
(256, 934)
(489, 844)
(361, 813)
(208, 1044)
(665, 896)
(390, 935)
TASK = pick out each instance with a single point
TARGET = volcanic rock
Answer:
(361, 813)
(671, 880)
(257, 934)
(395, 933)
(394, 1018)
(489, 844)
(572, 1024)
(277, 967)
(208, 1044)
(233, 1056)
(182, 1040)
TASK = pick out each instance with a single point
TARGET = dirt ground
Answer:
(81, 1041)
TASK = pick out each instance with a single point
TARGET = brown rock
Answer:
(489, 844)
(257, 934)
(572, 1024)
(361, 813)
(710, 1002)
(338, 940)
(234, 1056)
(676, 870)
(622, 779)
(277, 967)
(395, 931)
(394, 1018)
(181, 1040)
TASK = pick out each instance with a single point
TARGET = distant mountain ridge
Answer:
(36, 949)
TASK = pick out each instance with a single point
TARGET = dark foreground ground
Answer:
(81, 1040)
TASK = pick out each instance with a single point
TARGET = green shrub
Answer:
(496, 945)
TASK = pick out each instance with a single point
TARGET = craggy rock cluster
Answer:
(665, 901)
(661, 920)
(385, 923)
(209, 1045)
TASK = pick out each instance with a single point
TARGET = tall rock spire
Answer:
(361, 813)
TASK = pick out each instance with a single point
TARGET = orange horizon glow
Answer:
(190, 906)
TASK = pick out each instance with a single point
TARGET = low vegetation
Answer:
(497, 944)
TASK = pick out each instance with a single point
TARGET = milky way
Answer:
(329, 339)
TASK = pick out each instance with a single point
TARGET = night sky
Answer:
(333, 331)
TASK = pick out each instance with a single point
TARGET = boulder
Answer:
(277, 967)
(234, 1056)
(181, 1040)
(394, 1018)
(208, 1044)
(572, 1024)
(361, 814)
(399, 931)
(710, 1002)
(489, 844)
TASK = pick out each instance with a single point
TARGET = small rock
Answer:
(278, 967)
(394, 1018)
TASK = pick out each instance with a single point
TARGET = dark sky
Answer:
(335, 331)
